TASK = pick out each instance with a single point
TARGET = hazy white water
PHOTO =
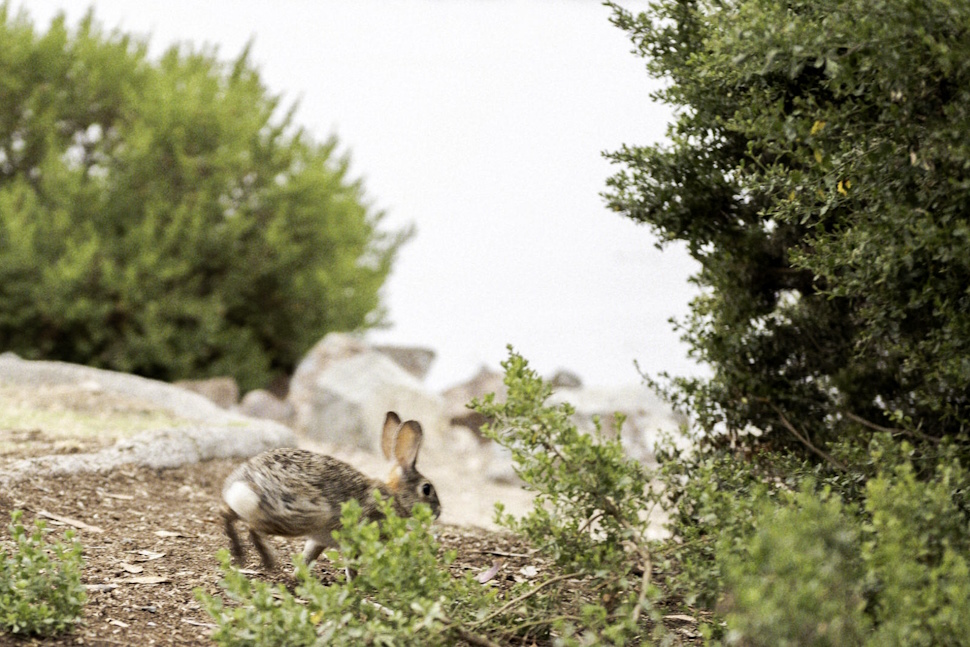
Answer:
(482, 122)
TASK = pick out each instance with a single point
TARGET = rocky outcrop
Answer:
(342, 390)
(224, 391)
(415, 360)
(197, 429)
(647, 416)
(565, 379)
(457, 398)
(262, 404)
(338, 398)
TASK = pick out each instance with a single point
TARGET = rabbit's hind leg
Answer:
(265, 552)
(229, 518)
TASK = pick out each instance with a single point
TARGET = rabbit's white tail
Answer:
(243, 501)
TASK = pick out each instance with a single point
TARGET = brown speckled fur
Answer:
(300, 492)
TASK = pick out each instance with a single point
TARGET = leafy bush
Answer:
(401, 592)
(916, 551)
(707, 497)
(263, 614)
(804, 560)
(590, 512)
(161, 217)
(798, 578)
(817, 171)
(40, 582)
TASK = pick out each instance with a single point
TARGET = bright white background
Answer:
(482, 122)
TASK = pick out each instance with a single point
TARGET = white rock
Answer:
(347, 401)
(648, 417)
(262, 404)
(457, 398)
(224, 391)
(500, 467)
(201, 429)
(415, 360)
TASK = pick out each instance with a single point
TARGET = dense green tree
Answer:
(163, 217)
(819, 170)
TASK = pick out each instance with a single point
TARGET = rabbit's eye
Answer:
(426, 489)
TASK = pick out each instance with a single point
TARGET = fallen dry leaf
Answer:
(170, 533)
(131, 568)
(529, 571)
(485, 576)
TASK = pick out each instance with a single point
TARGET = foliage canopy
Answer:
(819, 171)
(162, 217)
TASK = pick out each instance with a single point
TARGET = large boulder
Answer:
(648, 417)
(334, 347)
(413, 359)
(224, 391)
(194, 428)
(262, 404)
(342, 391)
(457, 398)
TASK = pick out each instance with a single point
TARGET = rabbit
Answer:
(297, 493)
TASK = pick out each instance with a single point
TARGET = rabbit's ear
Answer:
(391, 424)
(407, 445)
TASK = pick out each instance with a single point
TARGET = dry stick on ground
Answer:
(80, 525)
(501, 553)
(511, 603)
(642, 551)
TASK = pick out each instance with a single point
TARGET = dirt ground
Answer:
(150, 538)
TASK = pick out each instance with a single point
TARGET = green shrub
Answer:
(401, 592)
(163, 217)
(591, 506)
(816, 171)
(707, 495)
(261, 614)
(798, 578)
(40, 582)
(810, 558)
(916, 552)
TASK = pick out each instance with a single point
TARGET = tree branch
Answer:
(909, 432)
(805, 441)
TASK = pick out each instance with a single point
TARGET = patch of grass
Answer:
(45, 420)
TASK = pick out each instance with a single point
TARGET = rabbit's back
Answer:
(294, 492)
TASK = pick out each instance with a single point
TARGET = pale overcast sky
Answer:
(481, 122)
